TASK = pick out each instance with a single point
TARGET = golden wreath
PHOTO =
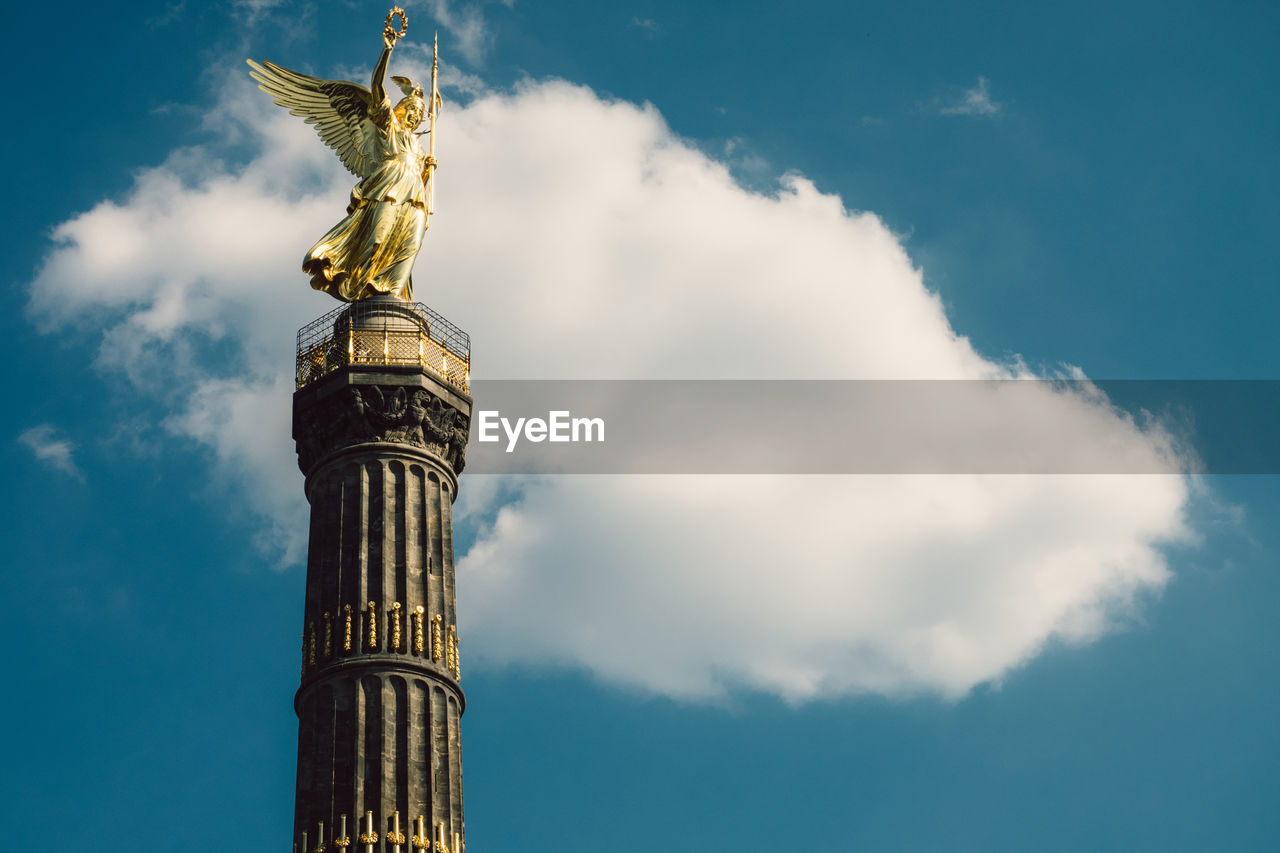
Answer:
(404, 23)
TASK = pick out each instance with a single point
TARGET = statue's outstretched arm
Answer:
(380, 70)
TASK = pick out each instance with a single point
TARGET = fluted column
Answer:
(380, 703)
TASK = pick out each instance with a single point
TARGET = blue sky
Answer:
(901, 189)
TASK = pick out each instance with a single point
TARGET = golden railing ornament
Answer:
(390, 30)
(395, 837)
(370, 835)
(451, 650)
(437, 639)
(395, 627)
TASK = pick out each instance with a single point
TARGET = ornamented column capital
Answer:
(382, 412)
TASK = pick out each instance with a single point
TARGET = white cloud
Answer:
(812, 586)
(172, 12)
(254, 10)
(243, 422)
(649, 25)
(974, 102)
(48, 445)
(465, 22)
(577, 237)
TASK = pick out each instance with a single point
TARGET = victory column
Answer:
(381, 417)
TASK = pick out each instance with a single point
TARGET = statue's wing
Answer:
(338, 109)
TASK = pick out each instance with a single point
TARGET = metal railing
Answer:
(406, 334)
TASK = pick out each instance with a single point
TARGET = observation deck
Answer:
(384, 330)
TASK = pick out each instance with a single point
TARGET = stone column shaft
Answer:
(380, 704)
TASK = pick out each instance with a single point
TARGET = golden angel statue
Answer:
(370, 252)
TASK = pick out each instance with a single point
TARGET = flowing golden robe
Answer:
(372, 250)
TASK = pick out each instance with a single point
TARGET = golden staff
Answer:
(432, 112)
